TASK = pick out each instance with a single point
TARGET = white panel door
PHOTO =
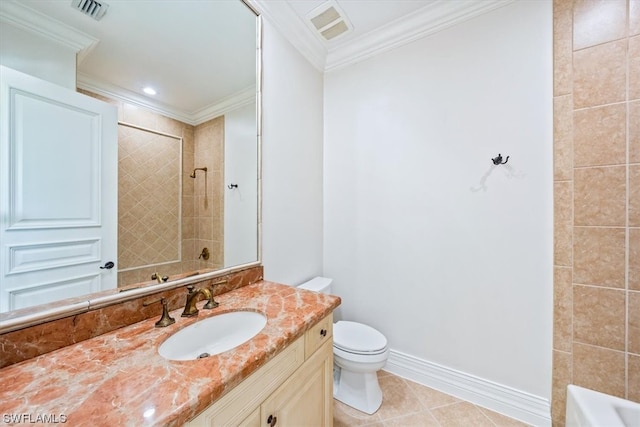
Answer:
(58, 192)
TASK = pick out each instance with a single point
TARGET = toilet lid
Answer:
(356, 337)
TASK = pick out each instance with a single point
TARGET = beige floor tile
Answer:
(408, 404)
(418, 419)
(429, 397)
(344, 416)
(398, 399)
(501, 420)
(462, 414)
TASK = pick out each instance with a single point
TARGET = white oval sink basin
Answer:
(213, 335)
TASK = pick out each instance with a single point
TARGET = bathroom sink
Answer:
(213, 335)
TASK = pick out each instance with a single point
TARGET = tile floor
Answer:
(409, 404)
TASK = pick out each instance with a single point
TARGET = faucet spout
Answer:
(190, 309)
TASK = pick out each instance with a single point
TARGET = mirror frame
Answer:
(31, 316)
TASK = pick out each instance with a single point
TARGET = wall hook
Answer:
(498, 160)
(232, 186)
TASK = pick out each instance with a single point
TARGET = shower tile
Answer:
(634, 195)
(562, 46)
(563, 308)
(599, 316)
(599, 74)
(634, 378)
(634, 68)
(634, 322)
(562, 376)
(563, 220)
(634, 17)
(599, 369)
(634, 132)
(634, 259)
(599, 196)
(563, 138)
(600, 136)
(598, 21)
(599, 256)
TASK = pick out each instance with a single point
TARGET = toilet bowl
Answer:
(359, 352)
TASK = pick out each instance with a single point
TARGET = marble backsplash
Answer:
(36, 340)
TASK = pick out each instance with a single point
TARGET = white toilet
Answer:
(359, 352)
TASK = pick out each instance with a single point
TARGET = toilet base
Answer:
(360, 390)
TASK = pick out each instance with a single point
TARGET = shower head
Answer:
(193, 174)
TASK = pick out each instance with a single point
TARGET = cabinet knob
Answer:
(323, 332)
(272, 420)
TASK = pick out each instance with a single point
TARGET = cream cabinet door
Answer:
(305, 399)
(58, 192)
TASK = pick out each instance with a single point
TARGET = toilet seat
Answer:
(357, 338)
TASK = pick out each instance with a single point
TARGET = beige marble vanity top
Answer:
(119, 379)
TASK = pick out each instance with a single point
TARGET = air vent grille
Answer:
(91, 8)
(328, 21)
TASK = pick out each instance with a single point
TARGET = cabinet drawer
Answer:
(318, 335)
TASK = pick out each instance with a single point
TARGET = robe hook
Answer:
(232, 186)
(498, 160)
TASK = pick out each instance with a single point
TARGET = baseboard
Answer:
(513, 403)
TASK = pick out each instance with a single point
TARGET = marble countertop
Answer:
(120, 379)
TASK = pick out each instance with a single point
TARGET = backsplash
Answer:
(40, 339)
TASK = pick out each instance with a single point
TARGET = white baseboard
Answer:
(513, 403)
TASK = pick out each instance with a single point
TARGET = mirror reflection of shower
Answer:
(193, 174)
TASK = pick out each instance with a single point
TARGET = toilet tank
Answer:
(317, 284)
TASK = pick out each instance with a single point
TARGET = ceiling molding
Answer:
(426, 21)
(25, 18)
(230, 103)
(291, 26)
(431, 19)
(239, 99)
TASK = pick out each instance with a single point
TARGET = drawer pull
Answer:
(323, 332)
(272, 420)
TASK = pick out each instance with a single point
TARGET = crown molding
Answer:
(287, 21)
(239, 99)
(230, 103)
(27, 19)
(431, 19)
(426, 21)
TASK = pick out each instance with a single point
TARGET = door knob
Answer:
(108, 266)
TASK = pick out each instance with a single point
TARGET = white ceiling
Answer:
(200, 55)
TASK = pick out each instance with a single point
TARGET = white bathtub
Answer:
(588, 408)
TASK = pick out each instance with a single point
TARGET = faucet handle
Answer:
(165, 319)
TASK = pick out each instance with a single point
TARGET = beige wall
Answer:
(596, 342)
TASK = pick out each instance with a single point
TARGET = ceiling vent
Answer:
(91, 8)
(329, 21)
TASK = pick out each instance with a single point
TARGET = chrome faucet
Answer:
(190, 309)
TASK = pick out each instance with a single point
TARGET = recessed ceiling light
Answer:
(149, 90)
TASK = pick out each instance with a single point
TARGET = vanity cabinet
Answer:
(295, 388)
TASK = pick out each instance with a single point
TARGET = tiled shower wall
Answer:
(596, 342)
(208, 192)
(204, 142)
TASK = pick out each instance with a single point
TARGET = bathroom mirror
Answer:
(203, 59)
